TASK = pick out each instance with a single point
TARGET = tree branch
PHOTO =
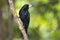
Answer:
(19, 22)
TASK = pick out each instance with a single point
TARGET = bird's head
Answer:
(26, 6)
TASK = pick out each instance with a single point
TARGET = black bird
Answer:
(25, 16)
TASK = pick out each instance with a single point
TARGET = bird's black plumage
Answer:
(25, 16)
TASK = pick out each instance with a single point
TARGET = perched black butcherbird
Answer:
(25, 16)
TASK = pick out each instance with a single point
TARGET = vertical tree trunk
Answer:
(2, 27)
(10, 28)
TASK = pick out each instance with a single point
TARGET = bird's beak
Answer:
(30, 5)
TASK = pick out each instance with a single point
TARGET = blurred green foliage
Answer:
(44, 19)
(44, 15)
